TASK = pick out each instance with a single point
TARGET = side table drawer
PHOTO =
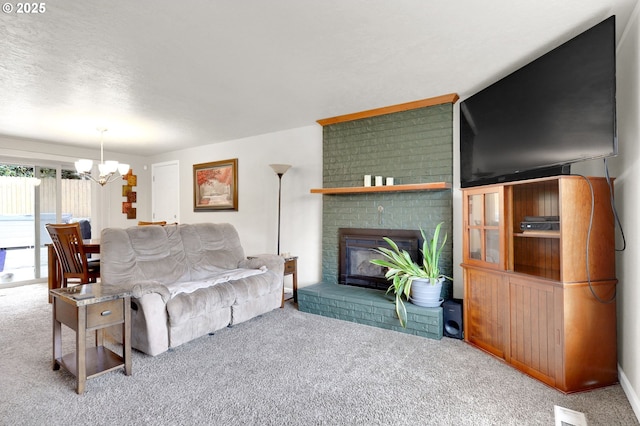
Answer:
(289, 267)
(105, 313)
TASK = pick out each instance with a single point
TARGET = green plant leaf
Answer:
(401, 310)
(402, 270)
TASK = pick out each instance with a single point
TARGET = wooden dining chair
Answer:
(72, 258)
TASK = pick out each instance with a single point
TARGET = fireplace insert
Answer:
(356, 249)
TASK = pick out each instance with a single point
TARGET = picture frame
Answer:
(215, 186)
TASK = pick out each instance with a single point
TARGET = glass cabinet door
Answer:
(475, 221)
(483, 215)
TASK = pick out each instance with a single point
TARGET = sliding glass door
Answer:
(30, 197)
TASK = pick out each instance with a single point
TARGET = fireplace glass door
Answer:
(357, 249)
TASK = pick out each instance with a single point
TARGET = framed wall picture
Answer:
(215, 185)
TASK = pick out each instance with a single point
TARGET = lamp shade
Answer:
(108, 167)
(280, 169)
(84, 166)
(123, 168)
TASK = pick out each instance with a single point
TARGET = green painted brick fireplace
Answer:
(412, 146)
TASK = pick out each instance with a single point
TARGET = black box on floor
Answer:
(452, 318)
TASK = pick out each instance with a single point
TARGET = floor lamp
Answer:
(280, 170)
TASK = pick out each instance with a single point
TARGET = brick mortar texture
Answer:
(369, 308)
(414, 146)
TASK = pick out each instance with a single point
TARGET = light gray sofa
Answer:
(188, 280)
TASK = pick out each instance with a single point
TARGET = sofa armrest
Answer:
(273, 262)
(149, 320)
(140, 289)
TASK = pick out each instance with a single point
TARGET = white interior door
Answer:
(165, 192)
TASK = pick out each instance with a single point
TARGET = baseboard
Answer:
(632, 396)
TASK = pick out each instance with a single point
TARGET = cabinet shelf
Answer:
(538, 234)
(432, 186)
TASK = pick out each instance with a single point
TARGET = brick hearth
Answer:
(370, 307)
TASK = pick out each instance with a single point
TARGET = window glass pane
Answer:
(17, 223)
(76, 201)
(492, 246)
(475, 210)
(492, 209)
(475, 244)
(47, 200)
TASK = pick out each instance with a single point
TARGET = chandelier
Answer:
(107, 169)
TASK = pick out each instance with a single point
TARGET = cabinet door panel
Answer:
(486, 298)
(535, 329)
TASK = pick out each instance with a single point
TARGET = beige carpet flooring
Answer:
(283, 368)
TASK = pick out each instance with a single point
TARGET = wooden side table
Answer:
(291, 268)
(86, 308)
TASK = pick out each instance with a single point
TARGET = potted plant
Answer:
(402, 271)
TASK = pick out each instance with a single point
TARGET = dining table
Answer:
(54, 268)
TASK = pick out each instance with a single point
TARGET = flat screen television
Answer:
(557, 110)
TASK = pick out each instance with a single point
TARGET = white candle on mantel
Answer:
(378, 180)
(367, 180)
(389, 181)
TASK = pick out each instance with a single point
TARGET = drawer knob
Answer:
(105, 313)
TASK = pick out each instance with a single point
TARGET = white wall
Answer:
(626, 170)
(257, 217)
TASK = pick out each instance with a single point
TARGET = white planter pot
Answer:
(425, 294)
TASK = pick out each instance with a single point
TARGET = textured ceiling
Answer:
(166, 75)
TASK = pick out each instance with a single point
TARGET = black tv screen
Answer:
(555, 111)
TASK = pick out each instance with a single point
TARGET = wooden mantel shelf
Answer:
(433, 186)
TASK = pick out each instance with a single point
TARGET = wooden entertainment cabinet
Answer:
(529, 296)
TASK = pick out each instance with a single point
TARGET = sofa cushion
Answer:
(186, 306)
(255, 287)
(210, 248)
(151, 254)
(160, 253)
